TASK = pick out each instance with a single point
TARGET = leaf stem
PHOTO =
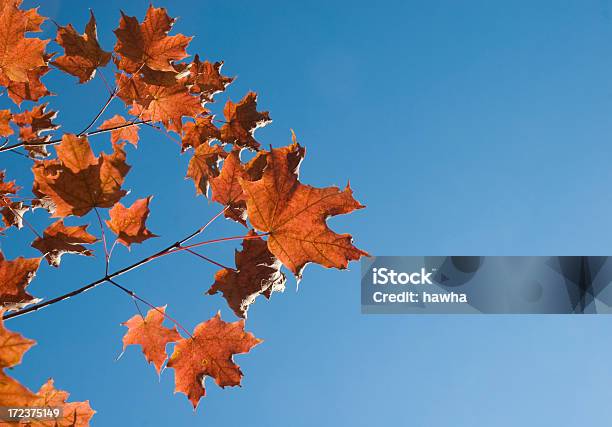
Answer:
(106, 253)
(133, 295)
(212, 261)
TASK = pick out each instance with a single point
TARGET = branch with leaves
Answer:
(284, 220)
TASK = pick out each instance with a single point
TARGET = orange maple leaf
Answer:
(204, 165)
(12, 213)
(77, 181)
(129, 223)
(13, 394)
(165, 104)
(15, 276)
(128, 133)
(19, 54)
(226, 188)
(12, 346)
(83, 54)
(73, 414)
(151, 335)
(202, 131)
(242, 121)
(205, 79)
(58, 239)
(33, 124)
(148, 44)
(31, 90)
(7, 188)
(5, 120)
(209, 352)
(294, 215)
(257, 272)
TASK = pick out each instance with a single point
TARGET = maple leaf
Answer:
(165, 104)
(13, 394)
(128, 133)
(31, 90)
(77, 181)
(19, 54)
(129, 223)
(242, 121)
(257, 272)
(5, 119)
(205, 79)
(294, 215)
(7, 188)
(32, 126)
(83, 54)
(12, 213)
(73, 414)
(203, 131)
(15, 276)
(209, 353)
(12, 346)
(204, 165)
(226, 187)
(58, 239)
(151, 335)
(148, 44)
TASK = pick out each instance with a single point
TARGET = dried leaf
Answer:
(209, 352)
(15, 276)
(12, 346)
(33, 124)
(257, 272)
(128, 133)
(205, 79)
(204, 165)
(5, 120)
(12, 213)
(129, 224)
(59, 239)
(78, 181)
(83, 54)
(294, 215)
(18, 54)
(31, 90)
(165, 104)
(151, 335)
(203, 131)
(74, 414)
(148, 44)
(242, 121)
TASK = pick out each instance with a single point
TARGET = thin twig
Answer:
(133, 295)
(112, 96)
(58, 140)
(166, 134)
(106, 254)
(212, 261)
(117, 273)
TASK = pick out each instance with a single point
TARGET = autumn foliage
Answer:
(284, 221)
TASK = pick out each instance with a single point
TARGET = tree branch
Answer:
(57, 141)
(117, 273)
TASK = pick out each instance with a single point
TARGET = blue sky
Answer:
(467, 128)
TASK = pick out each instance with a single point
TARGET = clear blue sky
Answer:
(468, 128)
